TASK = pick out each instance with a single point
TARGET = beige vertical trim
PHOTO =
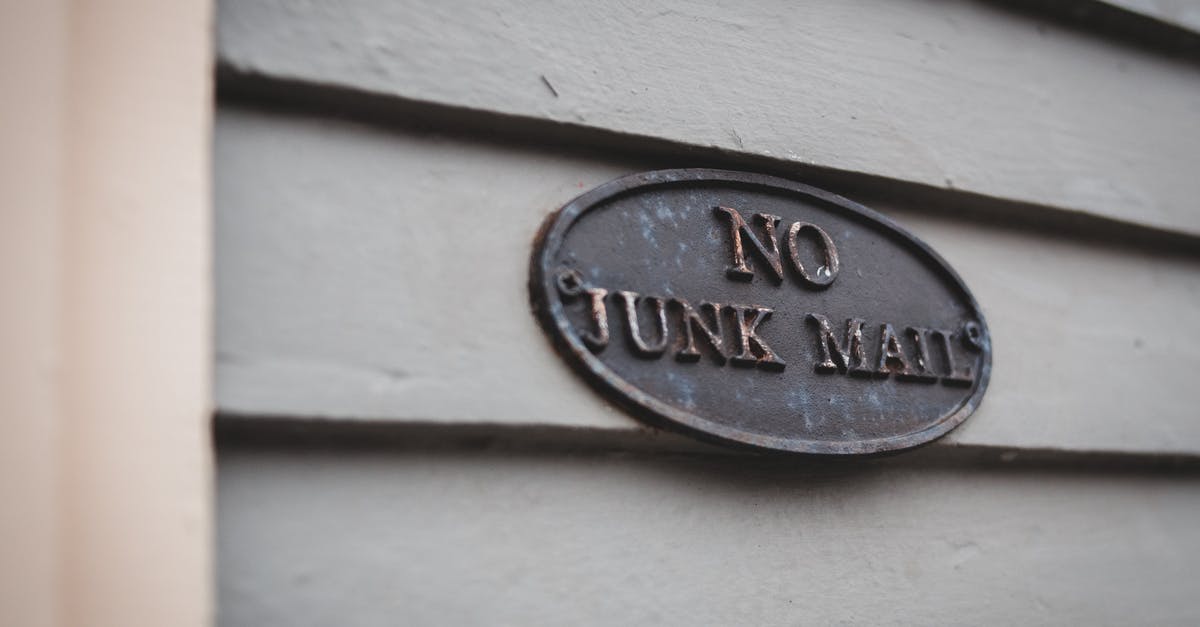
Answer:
(104, 176)
(33, 61)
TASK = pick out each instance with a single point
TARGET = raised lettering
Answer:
(570, 283)
(825, 274)
(834, 358)
(693, 322)
(953, 376)
(924, 370)
(633, 329)
(768, 253)
(598, 339)
(753, 351)
(891, 354)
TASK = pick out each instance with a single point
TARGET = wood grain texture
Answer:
(949, 94)
(365, 273)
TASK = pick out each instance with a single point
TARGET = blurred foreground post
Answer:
(105, 459)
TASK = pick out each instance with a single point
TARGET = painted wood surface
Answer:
(368, 273)
(956, 95)
(354, 538)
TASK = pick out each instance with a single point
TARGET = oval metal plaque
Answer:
(758, 311)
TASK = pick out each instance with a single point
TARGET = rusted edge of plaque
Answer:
(548, 308)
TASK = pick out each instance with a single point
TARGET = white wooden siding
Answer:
(373, 228)
(354, 538)
(367, 273)
(962, 95)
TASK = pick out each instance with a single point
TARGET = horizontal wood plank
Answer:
(366, 273)
(960, 95)
(315, 538)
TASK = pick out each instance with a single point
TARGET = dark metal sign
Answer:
(753, 310)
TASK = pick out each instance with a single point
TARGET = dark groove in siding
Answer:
(1113, 22)
(292, 97)
(260, 432)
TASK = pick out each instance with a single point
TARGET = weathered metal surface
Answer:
(753, 310)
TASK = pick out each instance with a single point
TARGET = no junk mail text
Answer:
(653, 326)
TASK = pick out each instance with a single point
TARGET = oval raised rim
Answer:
(547, 305)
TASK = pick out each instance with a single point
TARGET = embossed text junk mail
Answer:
(753, 310)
